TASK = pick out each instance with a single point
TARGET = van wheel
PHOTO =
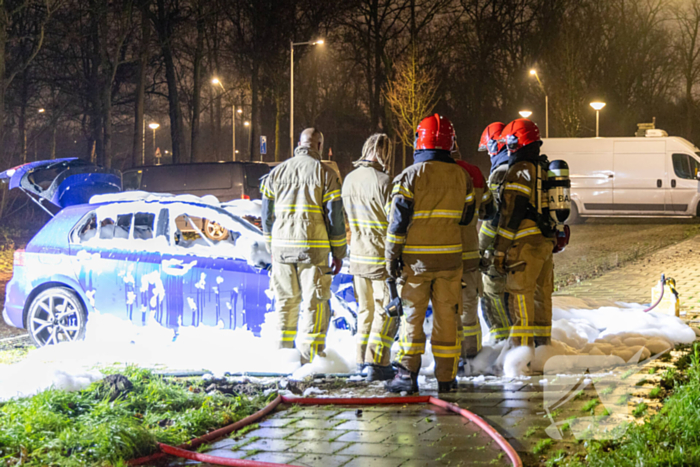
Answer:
(574, 217)
(56, 315)
(215, 231)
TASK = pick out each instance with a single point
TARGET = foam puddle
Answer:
(620, 331)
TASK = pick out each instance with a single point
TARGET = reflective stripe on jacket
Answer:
(518, 194)
(487, 232)
(431, 199)
(302, 211)
(365, 200)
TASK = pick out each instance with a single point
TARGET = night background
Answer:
(80, 76)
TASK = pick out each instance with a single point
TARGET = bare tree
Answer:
(687, 45)
(411, 96)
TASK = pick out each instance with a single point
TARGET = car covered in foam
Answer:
(144, 258)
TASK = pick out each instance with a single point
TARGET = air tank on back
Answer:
(559, 192)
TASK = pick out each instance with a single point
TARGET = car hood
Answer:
(57, 183)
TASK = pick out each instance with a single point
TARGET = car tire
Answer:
(214, 231)
(574, 217)
(56, 315)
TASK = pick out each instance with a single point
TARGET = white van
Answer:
(652, 176)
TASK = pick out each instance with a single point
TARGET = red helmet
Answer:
(519, 133)
(435, 132)
(490, 139)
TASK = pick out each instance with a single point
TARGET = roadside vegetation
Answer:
(107, 424)
(669, 437)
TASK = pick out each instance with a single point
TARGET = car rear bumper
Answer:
(13, 315)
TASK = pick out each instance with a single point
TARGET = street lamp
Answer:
(291, 88)
(216, 81)
(533, 72)
(598, 106)
(525, 113)
(154, 126)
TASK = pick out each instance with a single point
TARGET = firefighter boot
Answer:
(380, 373)
(447, 386)
(404, 381)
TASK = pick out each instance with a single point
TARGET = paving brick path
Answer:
(633, 282)
(409, 435)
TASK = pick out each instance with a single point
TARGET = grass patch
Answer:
(244, 430)
(653, 370)
(671, 437)
(542, 446)
(622, 400)
(608, 390)
(60, 428)
(627, 374)
(14, 355)
(640, 410)
(530, 431)
(655, 392)
(590, 405)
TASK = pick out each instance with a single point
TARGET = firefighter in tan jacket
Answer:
(365, 199)
(303, 221)
(471, 275)
(525, 238)
(431, 200)
(492, 301)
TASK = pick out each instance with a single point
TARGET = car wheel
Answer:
(574, 217)
(56, 315)
(214, 231)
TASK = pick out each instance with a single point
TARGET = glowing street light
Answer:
(598, 106)
(154, 126)
(291, 89)
(525, 113)
(217, 82)
(246, 123)
(41, 111)
(533, 72)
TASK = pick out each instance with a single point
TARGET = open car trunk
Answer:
(58, 183)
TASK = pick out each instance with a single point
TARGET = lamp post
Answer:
(525, 113)
(533, 72)
(598, 106)
(291, 90)
(216, 81)
(154, 126)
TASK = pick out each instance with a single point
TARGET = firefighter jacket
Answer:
(431, 200)
(485, 206)
(487, 233)
(302, 211)
(522, 201)
(365, 199)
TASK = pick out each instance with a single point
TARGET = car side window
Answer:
(119, 228)
(685, 166)
(144, 223)
(86, 229)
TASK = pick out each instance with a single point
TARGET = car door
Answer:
(641, 184)
(115, 254)
(684, 182)
(212, 282)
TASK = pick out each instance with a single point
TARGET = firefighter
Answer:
(525, 237)
(471, 275)
(366, 193)
(303, 221)
(492, 305)
(431, 199)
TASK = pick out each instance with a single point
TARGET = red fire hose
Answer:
(181, 451)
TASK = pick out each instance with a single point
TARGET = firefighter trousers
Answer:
(469, 313)
(443, 290)
(529, 292)
(375, 329)
(493, 305)
(308, 286)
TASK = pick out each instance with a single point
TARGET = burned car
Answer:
(125, 254)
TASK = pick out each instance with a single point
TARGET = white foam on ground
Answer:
(621, 331)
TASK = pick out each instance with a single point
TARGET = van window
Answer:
(685, 166)
(254, 172)
(132, 180)
(189, 178)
